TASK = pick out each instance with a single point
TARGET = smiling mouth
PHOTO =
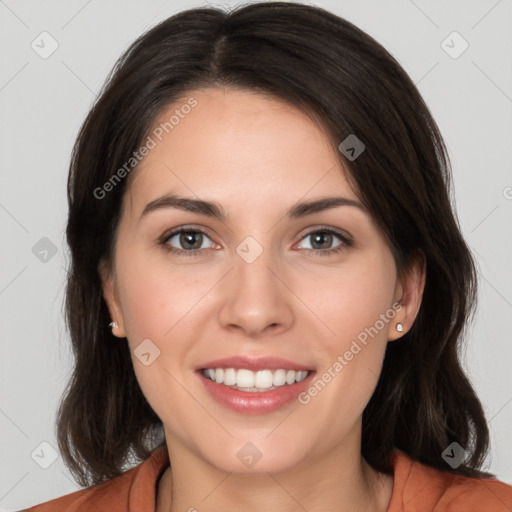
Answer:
(254, 381)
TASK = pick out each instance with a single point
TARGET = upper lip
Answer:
(254, 363)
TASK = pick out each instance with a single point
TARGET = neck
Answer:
(340, 480)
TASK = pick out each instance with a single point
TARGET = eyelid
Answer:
(185, 227)
(331, 229)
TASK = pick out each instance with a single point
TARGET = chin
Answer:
(257, 456)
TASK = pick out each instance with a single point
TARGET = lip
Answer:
(255, 402)
(254, 363)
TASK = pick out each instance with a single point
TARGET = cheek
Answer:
(351, 300)
(355, 304)
(157, 304)
(161, 303)
(157, 295)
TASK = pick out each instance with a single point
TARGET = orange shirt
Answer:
(417, 488)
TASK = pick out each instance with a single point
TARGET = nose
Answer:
(255, 298)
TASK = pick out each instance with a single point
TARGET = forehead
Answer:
(237, 145)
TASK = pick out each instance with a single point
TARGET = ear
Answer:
(111, 297)
(409, 293)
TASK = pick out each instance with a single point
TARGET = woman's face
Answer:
(273, 285)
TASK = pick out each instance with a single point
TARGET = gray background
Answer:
(44, 101)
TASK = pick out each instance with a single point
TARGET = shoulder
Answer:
(475, 494)
(112, 495)
(421, 488)
(135, 486)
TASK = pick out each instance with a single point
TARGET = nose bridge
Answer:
(256, 297)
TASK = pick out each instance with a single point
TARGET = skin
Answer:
(257, 157)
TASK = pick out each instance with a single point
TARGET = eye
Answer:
(190, 241)
(321, 241)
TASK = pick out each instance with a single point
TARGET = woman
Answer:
(260, 211)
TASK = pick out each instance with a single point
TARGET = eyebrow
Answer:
(215, 210)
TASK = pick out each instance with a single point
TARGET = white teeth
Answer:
(229, 377)
(263, 379)
(253, 381)
(244, 379)
(279, 378)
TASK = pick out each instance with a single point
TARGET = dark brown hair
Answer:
(332, 70)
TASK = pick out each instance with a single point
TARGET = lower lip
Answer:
(255, 402)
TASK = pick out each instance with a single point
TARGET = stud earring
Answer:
(112, 325)
(399, 327)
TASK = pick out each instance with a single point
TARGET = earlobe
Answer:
(112, 300)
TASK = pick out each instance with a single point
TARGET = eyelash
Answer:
(197, 252)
